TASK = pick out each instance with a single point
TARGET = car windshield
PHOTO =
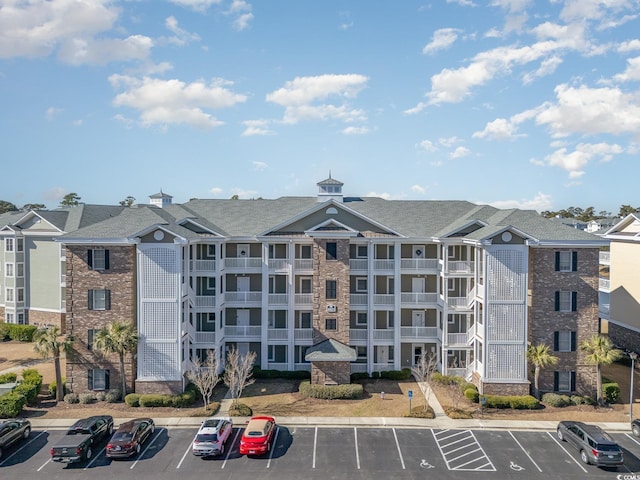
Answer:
(608, 448)
(79, 431)
(206, 437)
(255, 433)
(122, 436)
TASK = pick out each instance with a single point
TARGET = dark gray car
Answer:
(12, 431)
(595, 445)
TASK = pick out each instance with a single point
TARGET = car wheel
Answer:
(584, 457)
(636, 430)
(110, 429)
(26, 433)
(560, 435)
(137, 449)
(153, 428)
(88, 453)
(222, 449)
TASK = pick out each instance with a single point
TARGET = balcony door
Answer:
(417, 285)
(243, 317)
(417, 318)
(244, 284)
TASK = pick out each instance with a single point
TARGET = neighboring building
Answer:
(620, 293)
(334, 285)
(32, 263)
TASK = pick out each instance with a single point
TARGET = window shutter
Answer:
(90, 339)
(574, 261)
(557, 301)
(556, 341)
(573, 381)
(557, 261)
(106, 379)
(90, 378)
(573, 343)
(107, 299)
(555, 381)
(90, 299)
(90, 258)
(574, 301)
(106, 259)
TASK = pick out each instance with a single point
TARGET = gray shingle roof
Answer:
(330, 350)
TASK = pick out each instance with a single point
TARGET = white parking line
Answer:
(273, 444)
(22, 447)
(525, 452)
(315, 442)
(398, 445)
(566, 451)
(187, 451)
(95, 457)
(355, 431)
(145, 450)
(231, 448)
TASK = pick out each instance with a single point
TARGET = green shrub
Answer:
(132, 400)
(472, 394)
(421, 412)
(524, 402)
(348, 391)
(11, 404)
(556, 400)
(29, 390)
(578, 400)
(21, 333)
(611, 392)
(53, 387)
(464, 386)
(359, 376)
(240, 410)
(185, 399)
(112, 396)
(457, 413)
(447, 379)
(10, 377)
(100, 396)
(284, 374)
(71, 398)
(404, 374)
(86, 398)
(4, 331)
(155, 400)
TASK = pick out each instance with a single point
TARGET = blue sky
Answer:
(514, 103)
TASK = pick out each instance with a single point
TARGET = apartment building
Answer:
(334, 285)
(620, 287)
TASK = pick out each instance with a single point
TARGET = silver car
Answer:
(212, 436)
(595, 445)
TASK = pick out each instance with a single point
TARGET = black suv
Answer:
(13, 430)
(594, 444)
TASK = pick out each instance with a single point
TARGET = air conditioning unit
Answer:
(332, 309)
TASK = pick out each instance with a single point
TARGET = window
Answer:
(20, 294)
(8, 244)
(564, 341)
(566, 261)
(564, 381)
(9, 294)
(306, 285)
(9, 317)
(331, 287)
(277, 353)
(99, 299)
(451, 284)
(332, 250)
(566, 301)
(8, 269)
(305, 251)
(361, 318)
(20, 270)
(362, 354)
(300, 351)
(21, 319)
(304, 320)
(330, 324)
(98, 379)
(361, 251)
(211, 251)
(20, 244)
(361, 284)
(98, 259)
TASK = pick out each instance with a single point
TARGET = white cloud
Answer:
(498, 129)
(463, 3)
(582, 10)
(442, 39)
(448, 141)
(165, 102)
(386, 196)
(427, 146)
(257, 127)
(574, 162)
(260, 166)
(418, 189)
(216, 190)
(547, 67)
(541, 202)
(243, 193)
(631, 73)
(79, 51)
(241, 11)
(355, 131)
(197, 5)
(459, 152)
(53, 112)
(629, 46)
(299, 95)
(78, 123)
(181, 36)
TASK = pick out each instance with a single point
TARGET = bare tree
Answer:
(237, 373)
(423, 371)
(205, 375)
(455, 393)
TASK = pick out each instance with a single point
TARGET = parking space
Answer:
(315, 452)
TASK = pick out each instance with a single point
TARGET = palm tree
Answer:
(50, 343)
(600, 351)
(120, 338)
(541, 357)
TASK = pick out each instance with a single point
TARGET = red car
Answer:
(258, 436)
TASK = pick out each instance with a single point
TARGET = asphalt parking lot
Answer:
(323, 452)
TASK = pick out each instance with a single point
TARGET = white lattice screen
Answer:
(158, 320)
(505, 362)
(506, 274)
(505, 323)
(159, 271)
(157, 361)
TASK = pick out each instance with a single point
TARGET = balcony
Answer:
(459, 303)
(278, 366)
(303, 299)
(242, 331)
(418, 298)
(242, 263)
(278, 264)
(358, 334)
(456, 339)
(605, 258)
(303, 334)
(63, 280)
(383, 367)
(459, 267)
(303, 264)
(384, 299)
(278, 334)
(205, 301)
(604, 284)
(358, 368)
(243, 297)
(419, 333)
(281, 299)
(419, 264)
(358, 299)
(603, 310)
(383, 334)
(204, 337)
(306, 367)
(202, 266)
(387, 265)
(361, 264)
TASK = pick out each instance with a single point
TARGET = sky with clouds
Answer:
(513, 103)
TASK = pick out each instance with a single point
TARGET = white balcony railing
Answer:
(278, 334)
(302, 366)
(382, 367)
(604, 283)
(358, 367)
(278, 366)
(459, 266)
(603, 310)
(205, 301)
(358, 298)
(242, 330)
(278, 263)
(358, 334)
(418, 298)
(203, 265)
(383, 299)
(303, 263)
(456, 339)
(358, 264)
(243, 262)
(205, 337)
(243, 296)
(303, 333)
(387, 264)
(383, 334)
(419, 263)
(605, 258)
(304, 298)
(457, 303)
(418, 332)
(278, 299)
(470, 333)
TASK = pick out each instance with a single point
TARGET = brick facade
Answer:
(488, 388)
(46, 319)
(162, 387)
(120, 280)
(544, 320)
(328, 373)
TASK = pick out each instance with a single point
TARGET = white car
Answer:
(211, 437)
